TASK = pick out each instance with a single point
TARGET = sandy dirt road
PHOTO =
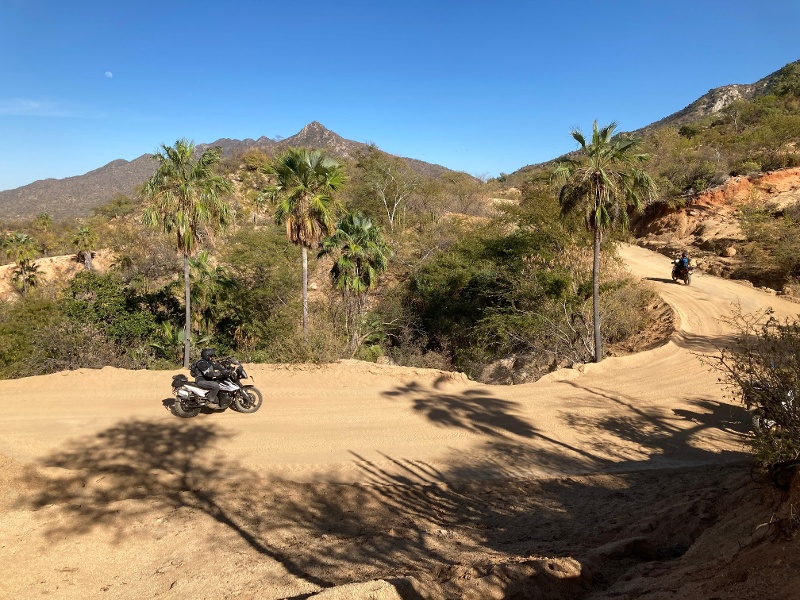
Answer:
(106, 494)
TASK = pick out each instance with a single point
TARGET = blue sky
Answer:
(478, 86)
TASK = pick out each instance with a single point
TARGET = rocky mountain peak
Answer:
(76, 196)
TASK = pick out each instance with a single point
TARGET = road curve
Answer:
(367, 423)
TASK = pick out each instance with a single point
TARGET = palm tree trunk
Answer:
(305, 295)
(598, 342)
(188, 324)
(355, 337)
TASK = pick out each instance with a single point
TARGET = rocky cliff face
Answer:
(708, 226)
(717, 99)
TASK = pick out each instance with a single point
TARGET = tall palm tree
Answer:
(84, 240)
(184, 198)
(603, 182)
(362, 255)
(305, 182)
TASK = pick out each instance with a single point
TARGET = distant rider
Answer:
(681, 262)
(209, 373)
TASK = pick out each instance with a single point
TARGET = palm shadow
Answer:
(666, 437)
(472, 410)
(513, 446)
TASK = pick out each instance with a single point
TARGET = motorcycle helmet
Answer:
(208, 353)
(683, 254)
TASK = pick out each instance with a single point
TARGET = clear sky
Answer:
(478, 86)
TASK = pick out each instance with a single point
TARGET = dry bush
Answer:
(762, 370)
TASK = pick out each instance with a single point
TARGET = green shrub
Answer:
(18, 322)
(105, 303)
(746, 168)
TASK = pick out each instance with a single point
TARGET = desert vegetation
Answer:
(423, 270)
(761, 369)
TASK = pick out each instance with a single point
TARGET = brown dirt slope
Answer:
(708, 226)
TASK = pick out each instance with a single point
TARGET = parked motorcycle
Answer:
(190, 399)
(682, 272)
(769, 412)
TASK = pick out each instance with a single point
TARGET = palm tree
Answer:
(603, 182)
(22, 249)
(362, 256)
(84, 240)
(184, 199)
(43, 221)
(305, 182)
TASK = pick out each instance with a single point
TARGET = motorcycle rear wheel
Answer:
(249, 401)
(182, 410)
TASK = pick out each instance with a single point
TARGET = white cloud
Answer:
(23, 107)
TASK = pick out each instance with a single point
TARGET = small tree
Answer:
(21, 248)
(43, 222)
(762, 368)
(209, 282)
(84, 240)
(361, 255)
(387, 178)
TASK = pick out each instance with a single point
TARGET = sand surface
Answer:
(354, 471)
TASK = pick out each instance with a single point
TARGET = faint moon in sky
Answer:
(109, 74)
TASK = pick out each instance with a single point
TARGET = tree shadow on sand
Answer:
(450, 524)
(323, 534)
(639, 439)
(164, 465)
(668, 437)
(472, 410)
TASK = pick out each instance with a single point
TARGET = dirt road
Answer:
(106, 494)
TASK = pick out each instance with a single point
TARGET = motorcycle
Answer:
(682, 272)
(190, 398)
(769, 412)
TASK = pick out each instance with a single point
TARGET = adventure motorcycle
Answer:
(769, 412)
(191, 398)
(682, 272)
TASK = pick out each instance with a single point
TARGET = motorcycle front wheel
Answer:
(249, 401)
(182, 409)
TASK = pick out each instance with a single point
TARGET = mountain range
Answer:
(77, 196)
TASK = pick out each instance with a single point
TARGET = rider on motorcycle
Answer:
(209, 372)
(679, 263)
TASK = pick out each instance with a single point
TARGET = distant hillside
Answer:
(719, 98)
(707, 105)
(77, 196)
